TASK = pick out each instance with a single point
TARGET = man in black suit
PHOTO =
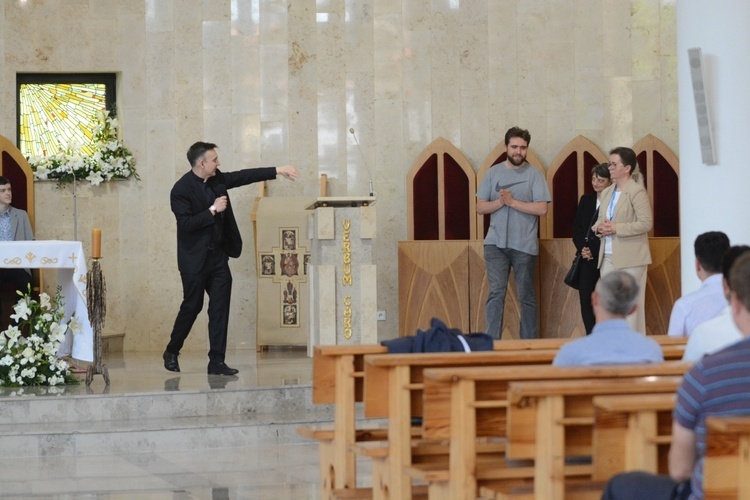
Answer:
(207, 235)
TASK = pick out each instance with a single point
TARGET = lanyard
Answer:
(611, 208)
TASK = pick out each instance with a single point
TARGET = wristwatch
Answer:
(212, 209)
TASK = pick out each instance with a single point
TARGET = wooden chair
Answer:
(16, 168)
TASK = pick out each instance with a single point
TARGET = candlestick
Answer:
(96, 243)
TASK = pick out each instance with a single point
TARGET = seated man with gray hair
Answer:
(612, 341)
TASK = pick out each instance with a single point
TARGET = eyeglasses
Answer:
(615, 165)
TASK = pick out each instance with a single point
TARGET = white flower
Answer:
(75, 325)
(44, 301)
(95, 178)
(32, 360)
(22, 311)
(104, 159)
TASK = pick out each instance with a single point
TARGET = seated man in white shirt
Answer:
(708, 301)
(719, 332)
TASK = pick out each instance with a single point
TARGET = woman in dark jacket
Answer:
(588, 244)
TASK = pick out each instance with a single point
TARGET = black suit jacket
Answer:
(582, 224)
(195, 224)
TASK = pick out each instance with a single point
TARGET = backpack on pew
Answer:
(440, 338)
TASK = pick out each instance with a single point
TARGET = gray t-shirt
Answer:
(510, 228)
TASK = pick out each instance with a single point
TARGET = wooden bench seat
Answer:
(726, 471)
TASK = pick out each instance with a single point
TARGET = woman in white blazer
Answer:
(623, 225)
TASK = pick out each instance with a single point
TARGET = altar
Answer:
(68, 258)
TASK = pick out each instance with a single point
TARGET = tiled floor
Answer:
(144, 372)
(278, 471)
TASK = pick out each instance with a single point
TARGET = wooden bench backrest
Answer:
(577, 400)
(490, 386)
(326, 358)
(378, 368)
(347, 360)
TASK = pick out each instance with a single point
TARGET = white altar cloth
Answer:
(68, 258)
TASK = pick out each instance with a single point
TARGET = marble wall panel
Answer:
(274, 88)
(618, 28)
(131, 68)
(217, 65)
(446, 76)
(619, 112)
(245, 82)
(160, 15)
(359, 36)
(160, 75)
(475, 138)
(75, 51)
(389, 57)
(646, 26)
(417, 70)
(273, 28)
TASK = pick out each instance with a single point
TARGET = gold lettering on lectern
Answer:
(347, 316)
(346, 249)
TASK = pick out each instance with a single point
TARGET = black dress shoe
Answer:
(221, 369)
(170, 361)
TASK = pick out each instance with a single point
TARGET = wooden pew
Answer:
(562, 414)
(477, 397)
(726, 468)
(393, 390)
(338, 379)
(632, 432)
(400, 378)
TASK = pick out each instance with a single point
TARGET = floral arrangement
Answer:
(110, 158)
(28, 349)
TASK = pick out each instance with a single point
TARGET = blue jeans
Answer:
(498, 262)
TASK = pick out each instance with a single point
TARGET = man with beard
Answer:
(515, 193)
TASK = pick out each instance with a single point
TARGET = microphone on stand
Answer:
(351, 131)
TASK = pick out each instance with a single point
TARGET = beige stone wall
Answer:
(276, 82)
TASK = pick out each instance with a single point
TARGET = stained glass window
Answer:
(57, 110)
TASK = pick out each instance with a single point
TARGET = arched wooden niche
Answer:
(568, 179)
(440, 194)
(496, 156)
(14, 166)
(661, 174)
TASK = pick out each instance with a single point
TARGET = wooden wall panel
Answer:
(447, 280)
(664, 285)
(559, 309)
(433, 281)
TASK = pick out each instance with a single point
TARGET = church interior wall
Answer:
(277, 82)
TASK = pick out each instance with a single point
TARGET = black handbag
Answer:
(572, 279)
(574, 274)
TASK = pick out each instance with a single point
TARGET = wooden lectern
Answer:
(342, 276)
